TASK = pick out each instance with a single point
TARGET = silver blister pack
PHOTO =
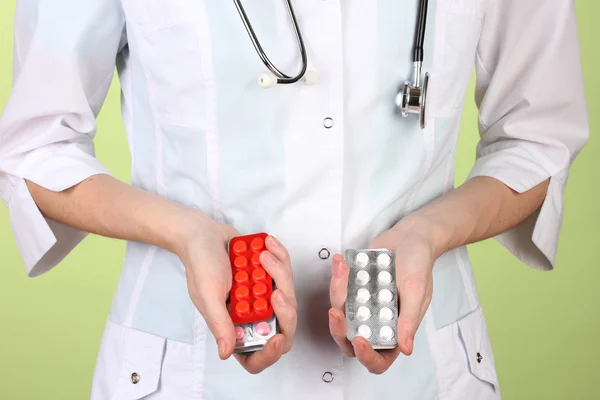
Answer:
(253, 336)
(372, 301)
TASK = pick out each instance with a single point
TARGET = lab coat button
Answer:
(328, 122)
(479, 358)
(135, 378)
(324, 254)
(327, 377)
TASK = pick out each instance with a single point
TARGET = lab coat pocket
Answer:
(473, 335)
(456, 46)
(167, 37)
(141, 365)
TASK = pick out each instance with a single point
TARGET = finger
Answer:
(338, 288)
(375, 362)
(260, 360)
(412, 292)
(281, 273)
(338, 329)
(286, 316)
(278, 250)
(212, 307)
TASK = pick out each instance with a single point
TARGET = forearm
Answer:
(105, 206)
(481, 208)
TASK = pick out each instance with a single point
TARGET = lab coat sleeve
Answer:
(64, 61)
(532, 113)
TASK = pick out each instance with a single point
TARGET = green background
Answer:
(545, 327)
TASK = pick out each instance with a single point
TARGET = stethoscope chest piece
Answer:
(413, 100)
(413, 97)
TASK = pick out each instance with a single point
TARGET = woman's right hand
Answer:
(203, 251)
(199, 242)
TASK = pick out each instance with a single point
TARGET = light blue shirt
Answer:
(204, 134)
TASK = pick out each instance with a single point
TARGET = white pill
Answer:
(362, 259)
(364, 331)
(386, 333)
(384, 278)
(363, 313)
(386, 314)
(385, 296)
(383, 260)
(362, 277)
(363, 295)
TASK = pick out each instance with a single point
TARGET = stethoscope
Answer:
(412, 99)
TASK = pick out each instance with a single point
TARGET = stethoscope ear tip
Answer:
(311, 78)
(267, 81)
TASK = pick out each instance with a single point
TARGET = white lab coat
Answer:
(202, 133)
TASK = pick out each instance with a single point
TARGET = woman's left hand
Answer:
(412, 241)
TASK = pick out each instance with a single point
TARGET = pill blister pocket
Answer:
(253, 336)
(372, 300)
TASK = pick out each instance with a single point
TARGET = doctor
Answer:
(323, 167)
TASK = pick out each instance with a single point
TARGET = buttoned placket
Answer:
(331, 51)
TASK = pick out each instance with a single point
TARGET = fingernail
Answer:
(273, 241)
(333, 317)
(357, 345)
(267, 258)
(277, 343)
(281, 297)
(338, 270)
(221, 345)
(407, 343)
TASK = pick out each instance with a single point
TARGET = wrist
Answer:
(435, 232)
(183, 225)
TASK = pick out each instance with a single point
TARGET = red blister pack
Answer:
(250, 296)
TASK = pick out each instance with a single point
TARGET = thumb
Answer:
(228, 232)
(219, 322)
(412, 292)
(385, 240)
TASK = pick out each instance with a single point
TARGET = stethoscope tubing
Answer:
(420, 32)
(411, 100)
(281, 77)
